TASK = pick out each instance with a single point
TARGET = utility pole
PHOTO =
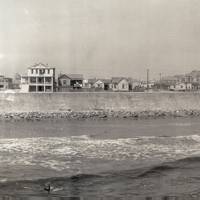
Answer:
(147, 79)
(160, 80)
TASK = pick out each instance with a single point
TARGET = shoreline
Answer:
(97, 115)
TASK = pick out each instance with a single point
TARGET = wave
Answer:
(157, 170)
(180, 164)
(128, 173)
(72, 153)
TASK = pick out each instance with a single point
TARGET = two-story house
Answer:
(39, 78)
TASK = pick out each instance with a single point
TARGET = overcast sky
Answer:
(101, 37)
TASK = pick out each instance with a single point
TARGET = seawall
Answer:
(134, 102)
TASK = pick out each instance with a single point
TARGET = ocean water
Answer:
(105, 159)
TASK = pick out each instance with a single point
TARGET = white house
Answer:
(181, 87)
(39, 78)
(120, 84)
(100, 84)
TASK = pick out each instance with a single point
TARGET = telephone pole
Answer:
(160, 80)
(147, 79)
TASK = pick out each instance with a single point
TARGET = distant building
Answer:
(120, 84)
(100, 84)
(193, 77)
(39, 78)
(107, 84)
(134, 84)
(70, 81)
(16, 82)
(5, 83)
(91, 82)
(148, 85)
(169, 80)
(181, 87)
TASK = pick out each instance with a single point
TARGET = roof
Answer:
(71, 76)
(24, 76)
(194, 73)
(92, 80)
(41, 66)
(5, 78)
(106, 80)
(117, 79)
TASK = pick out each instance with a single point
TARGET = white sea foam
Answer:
(62, 153)
(3, 180)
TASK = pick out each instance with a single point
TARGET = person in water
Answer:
(47, 188)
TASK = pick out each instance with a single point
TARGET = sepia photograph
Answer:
(99, 100)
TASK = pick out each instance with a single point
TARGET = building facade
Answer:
(70, 81)
(100, 84)
(5, 83)
(120, 84)
(181, 87)
(39, 78)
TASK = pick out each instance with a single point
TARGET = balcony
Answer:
(40, 80)
(48, 80)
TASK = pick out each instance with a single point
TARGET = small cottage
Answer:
(181, 87)
(120, 84)
(70, 81)
(100, 84)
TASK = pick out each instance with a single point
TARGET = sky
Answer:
(101, 38)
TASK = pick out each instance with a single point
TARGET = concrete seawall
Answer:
(133, 102)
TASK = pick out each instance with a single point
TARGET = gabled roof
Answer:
(98, 80)
(131, 80)
(117, 79)
(92, 80)
(41, 66)
(71, 76)
(107, 81)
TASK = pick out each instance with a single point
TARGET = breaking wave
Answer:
(59, 153)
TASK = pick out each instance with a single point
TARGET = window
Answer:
(32, 88)
(48, 71)
(48, 89)
(31, 71)
(41, 80)
(32, 80)
(42, 71)
(48, 80)
(64, 82)
(123, 86)
(40, 88)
